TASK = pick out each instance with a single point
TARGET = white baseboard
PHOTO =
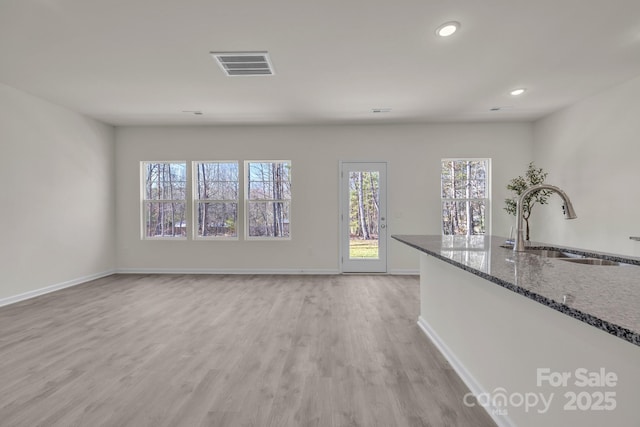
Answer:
(404, 272)
(398, 272)
(221, 271)
(52, 288)
(474, 386)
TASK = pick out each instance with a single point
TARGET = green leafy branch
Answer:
(533, 176)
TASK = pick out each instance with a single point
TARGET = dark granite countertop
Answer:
(606, 297)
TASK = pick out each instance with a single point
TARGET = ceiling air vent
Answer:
(244, 63)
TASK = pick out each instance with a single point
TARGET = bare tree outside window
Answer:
(364, 214)
(164, 199)
(268, 199)
(216, 199)
(465, 196)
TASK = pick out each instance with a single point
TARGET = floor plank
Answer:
(227, 350)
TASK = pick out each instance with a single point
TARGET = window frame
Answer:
(195, 201)
(144, 201)
(486, 199)
(248, 201)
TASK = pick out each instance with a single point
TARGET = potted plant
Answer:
(533, 176)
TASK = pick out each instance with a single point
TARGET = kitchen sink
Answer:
(591, 261)
(547, 253)
(569, 256)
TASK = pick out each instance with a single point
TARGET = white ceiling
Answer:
(145, 61)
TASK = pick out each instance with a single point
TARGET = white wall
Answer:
(591, 150)
(413, 153)
(57, 195)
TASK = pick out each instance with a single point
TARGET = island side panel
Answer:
(502, 339)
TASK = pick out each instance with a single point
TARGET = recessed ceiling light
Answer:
(194, 112)
(380, 110)
(517, 92)
(447, 29)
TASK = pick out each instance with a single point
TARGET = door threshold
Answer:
(363, 273)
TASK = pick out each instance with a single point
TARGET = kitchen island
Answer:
(530, 335)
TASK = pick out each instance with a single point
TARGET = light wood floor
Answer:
(201, 350)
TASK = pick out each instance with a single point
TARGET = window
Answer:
(268, 199)
(215, 197)
(164, 199)
(212, 199)
(465, 196)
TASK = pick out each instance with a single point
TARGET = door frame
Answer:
(382, 244)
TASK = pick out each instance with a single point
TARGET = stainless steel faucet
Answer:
(569, 213)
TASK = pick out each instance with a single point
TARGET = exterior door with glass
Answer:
(363, 217)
